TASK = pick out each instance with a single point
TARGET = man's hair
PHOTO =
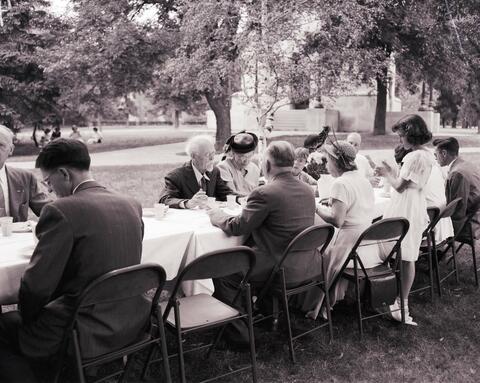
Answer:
(64, 152)
(194, 143)
(7, 132)
(281, 154)
(449, 144)
(301, 154)
(414, 128)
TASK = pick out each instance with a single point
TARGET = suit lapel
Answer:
(15, 192)
(190, 180)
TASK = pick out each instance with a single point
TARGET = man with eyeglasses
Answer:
(19, 189)
(85, 233)
(190, 185)
(238, 170)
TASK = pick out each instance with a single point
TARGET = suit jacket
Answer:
(463, 181)
(81, 237)
(24, 191)
(275, 213)
(181, 185)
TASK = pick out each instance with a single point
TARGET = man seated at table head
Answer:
(190, 185)
(19, 189)
(238, 170)
(463, 180)
(364, 164)
(274, 214)
(87, 232)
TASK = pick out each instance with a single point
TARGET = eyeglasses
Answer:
(46, 180)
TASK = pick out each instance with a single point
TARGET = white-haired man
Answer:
(364, 163)
(190, 185)
(19, 189)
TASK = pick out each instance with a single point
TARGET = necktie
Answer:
(3, 211)
(203, 183)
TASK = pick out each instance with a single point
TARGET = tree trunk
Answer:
(381, 108)
(221, 108)
(176, 118)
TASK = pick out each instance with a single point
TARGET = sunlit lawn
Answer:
(445, 347)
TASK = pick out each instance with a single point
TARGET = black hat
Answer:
(242, 142)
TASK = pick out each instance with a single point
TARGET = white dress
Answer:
(411, 203)
(355, 191)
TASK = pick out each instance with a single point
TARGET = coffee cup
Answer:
(231, 201)
(160, 209)
(7, 225)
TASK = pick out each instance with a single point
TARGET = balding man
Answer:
(190, 185)
(363, 163)
(275, 213)
(19, 189)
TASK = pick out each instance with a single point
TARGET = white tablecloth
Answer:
(174, 241)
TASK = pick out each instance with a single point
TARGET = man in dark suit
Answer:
(275, 213)
(463, 180)
(19, 189)
(85, 233)
(190, 185)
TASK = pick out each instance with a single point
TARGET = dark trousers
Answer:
(14, 367)
(226, 289)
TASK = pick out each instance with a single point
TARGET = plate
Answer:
(21, 227)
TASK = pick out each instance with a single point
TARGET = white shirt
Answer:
(199, 175)
(363, 165)
(81, 183)
(4, 186)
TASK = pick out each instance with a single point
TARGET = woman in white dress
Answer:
(351, 211)
(408, 197)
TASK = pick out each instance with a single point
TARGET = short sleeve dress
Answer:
(411, 203)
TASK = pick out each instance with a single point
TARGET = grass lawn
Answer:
(445, 347)
(25, 149)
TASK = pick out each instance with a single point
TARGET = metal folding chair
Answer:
(387, 231)
(428, 251)
(310, 243)
(114, 287)
(464, 236)
(203, 312)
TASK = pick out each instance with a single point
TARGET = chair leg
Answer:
(148, 361)
(78, 360)
(474, 258)
(359, 305)
(251, 336)
(218, 336)
(275, 313)
(431, 254)
(329, 312)
(181, 360)
(454, 260)
(289, 324)
(163, 345)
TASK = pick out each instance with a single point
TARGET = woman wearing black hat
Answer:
(238, 170)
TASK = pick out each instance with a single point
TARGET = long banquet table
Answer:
(174, 241)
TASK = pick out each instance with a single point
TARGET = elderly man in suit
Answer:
(463, 180)
(274, 214)
(19, 189)
(85, 233)
(190, 185)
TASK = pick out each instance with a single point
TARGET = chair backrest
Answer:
(387, 230)
(447, 211)
(122, 284)
(313, 239)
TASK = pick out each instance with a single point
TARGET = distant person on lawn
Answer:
(463, 180)
(96, 137)
(75, 135)
(190, 185)
(238, 170)
(19, 189)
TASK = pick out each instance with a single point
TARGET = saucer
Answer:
(21, 227)
(148, 213)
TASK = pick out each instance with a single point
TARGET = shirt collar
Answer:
(451, 164)
(199, 175)
(81, 183)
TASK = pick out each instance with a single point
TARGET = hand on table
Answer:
(216, 215)
(200, 199)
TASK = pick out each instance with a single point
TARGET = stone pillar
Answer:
(430, 98)
(423, 105)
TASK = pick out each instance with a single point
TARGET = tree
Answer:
(26, 94)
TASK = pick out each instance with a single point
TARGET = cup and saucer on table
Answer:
(159, 211)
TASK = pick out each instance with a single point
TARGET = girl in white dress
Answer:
(408, 197)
